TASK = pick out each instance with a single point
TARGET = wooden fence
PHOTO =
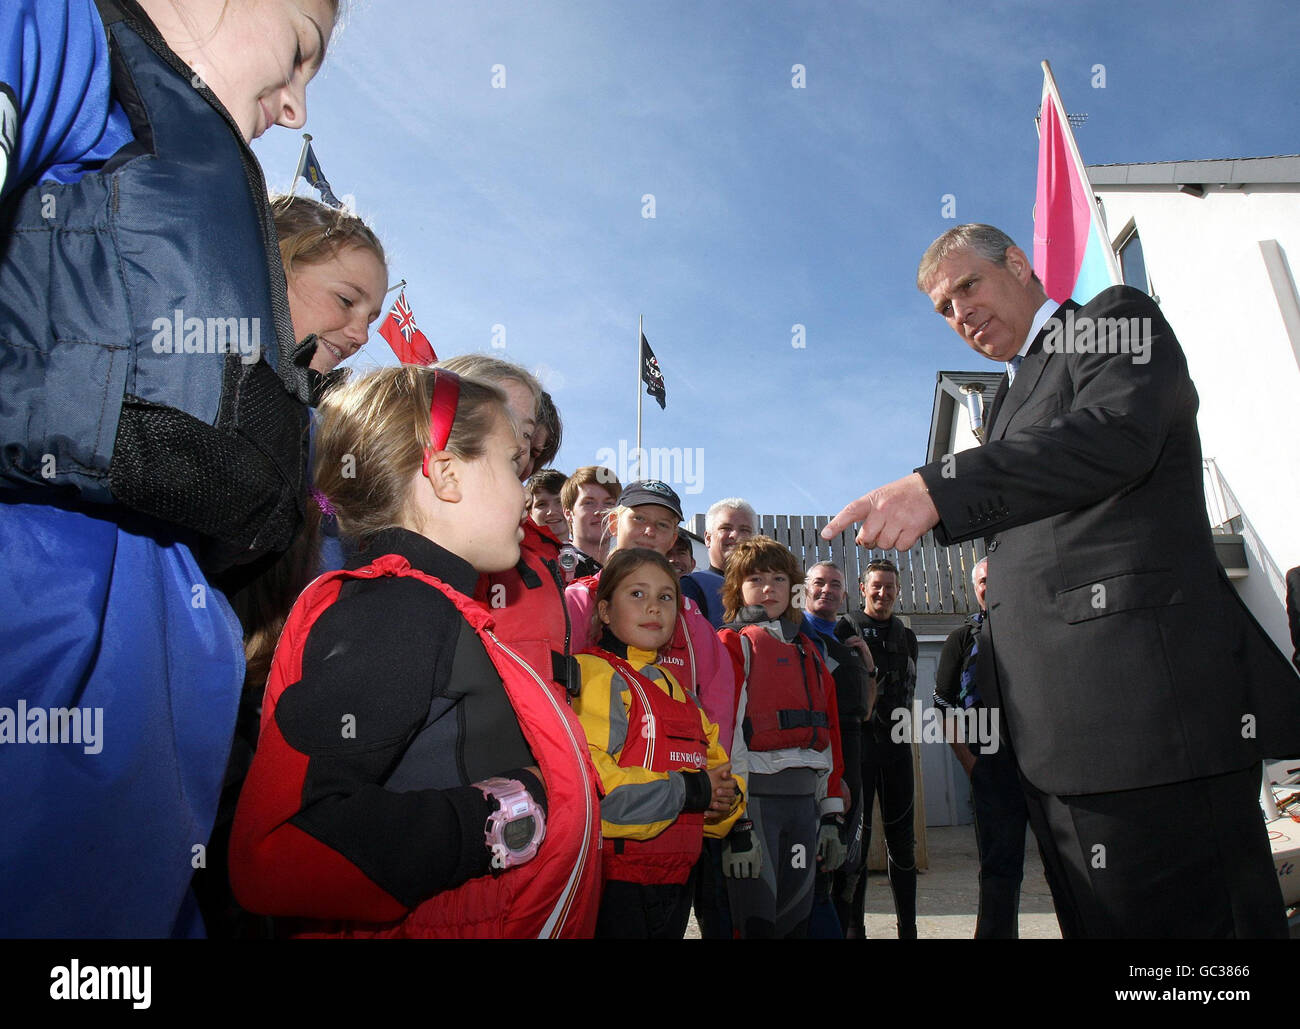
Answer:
(931, 579)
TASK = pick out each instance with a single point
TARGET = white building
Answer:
(1214, 242)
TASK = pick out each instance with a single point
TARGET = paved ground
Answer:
(947, 894)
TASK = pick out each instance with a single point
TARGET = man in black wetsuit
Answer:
(886, 760)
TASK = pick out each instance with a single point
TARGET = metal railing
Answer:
(1220, 504)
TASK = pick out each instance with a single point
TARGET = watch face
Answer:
(517, 834)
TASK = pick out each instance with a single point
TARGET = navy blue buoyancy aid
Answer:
(146, 350)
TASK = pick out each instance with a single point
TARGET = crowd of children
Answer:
(384, 690)
(548, 752)
(461, 735)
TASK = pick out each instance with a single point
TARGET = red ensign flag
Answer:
(409, 344)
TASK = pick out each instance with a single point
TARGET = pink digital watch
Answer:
(517, 827)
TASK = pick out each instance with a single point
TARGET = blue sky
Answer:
(775, 206)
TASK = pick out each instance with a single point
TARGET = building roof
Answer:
(953, 381)
(1229, 173)
(947, 399)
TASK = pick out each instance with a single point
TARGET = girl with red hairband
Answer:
(414, 776)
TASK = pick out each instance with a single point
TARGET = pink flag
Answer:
(1072, 254)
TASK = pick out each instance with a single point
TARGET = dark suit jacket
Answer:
(1122, 655)
(1293, 612)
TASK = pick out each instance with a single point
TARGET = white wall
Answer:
(947, 787)
(1206, 267)
(962, 438)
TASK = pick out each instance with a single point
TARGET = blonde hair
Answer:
(615, 514)
(487, 368)
(373, 433)
(311, 232)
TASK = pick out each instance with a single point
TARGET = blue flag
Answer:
(309, 168)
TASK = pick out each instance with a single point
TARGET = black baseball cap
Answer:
(651, 491)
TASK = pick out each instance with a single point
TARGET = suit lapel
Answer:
(1031, 370)
(991, 418)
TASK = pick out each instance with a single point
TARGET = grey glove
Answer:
(830, 848)
(742, 857)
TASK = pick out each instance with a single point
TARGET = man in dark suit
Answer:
(1137, 692)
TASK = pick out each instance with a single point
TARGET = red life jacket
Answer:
(678, 657)
(528, 609)
(557, 893)
(787, 704)
(671, 739)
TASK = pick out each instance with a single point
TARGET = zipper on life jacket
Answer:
(570, 687)
(803, 674)
(561, 910)
(652, 735)
(690, 652)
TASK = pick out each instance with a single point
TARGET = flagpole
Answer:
(302, 156)
(640, 363)
(1049, 87)
(396, 285)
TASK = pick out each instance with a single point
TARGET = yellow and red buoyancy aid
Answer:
(665, 734)
(556, 894)
(787, 705)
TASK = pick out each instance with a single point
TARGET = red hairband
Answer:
(442, 412)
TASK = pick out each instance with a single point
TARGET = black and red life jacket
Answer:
(557, 893)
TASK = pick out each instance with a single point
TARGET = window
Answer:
(1132, 265)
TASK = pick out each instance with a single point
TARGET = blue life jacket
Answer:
(145, 341)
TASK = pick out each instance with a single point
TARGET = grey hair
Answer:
(823, 564)
(729, 504)
(974, 572)
(986, 241)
